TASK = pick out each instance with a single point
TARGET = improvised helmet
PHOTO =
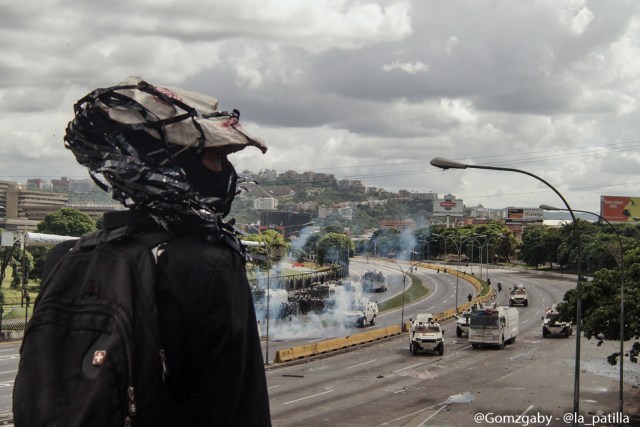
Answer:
(134, 138)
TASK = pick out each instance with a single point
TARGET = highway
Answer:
(383, 384)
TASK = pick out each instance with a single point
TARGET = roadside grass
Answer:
(414, 293)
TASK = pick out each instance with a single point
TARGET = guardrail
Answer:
(334, 344)
(473, 280)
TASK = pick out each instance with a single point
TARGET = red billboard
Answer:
(620, 208)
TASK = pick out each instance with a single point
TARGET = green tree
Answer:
(272, 249)
(385, 242)
(67, 222)
(600, 300)
(335, 248)
(16, 266)
(534, 247)
(8, 255)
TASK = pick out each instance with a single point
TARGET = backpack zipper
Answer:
(165, 366)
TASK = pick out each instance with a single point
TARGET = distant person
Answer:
(162, 153)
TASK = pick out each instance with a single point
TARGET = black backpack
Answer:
(91, 353)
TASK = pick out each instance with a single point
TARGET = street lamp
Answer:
(487, 242)
(458, 246)
(480, 246)
(442, 163)
(428, 245)
(404, 284)
(621, 267)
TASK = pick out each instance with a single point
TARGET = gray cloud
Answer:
(370, 89)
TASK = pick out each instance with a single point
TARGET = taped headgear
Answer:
(130, 136)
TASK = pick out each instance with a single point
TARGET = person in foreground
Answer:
(162, 153)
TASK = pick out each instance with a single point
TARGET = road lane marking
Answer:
(527, 410)
(273, 386)
(506, 375)
(8, 372)
(404, 416)
(432, 415)
(359, 364)
(9, 357)
(308, 397)
(407, 367)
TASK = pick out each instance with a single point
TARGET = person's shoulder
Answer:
(198, 247)
(56, 254)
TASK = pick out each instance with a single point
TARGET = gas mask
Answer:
(216, 189)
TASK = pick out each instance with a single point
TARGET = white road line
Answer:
(8, 372)
(407, 367)
(504, 376)
(432, 415)
(308, 397)
(404, 416)
(273, 386)
(318, 339)
(359, 364)
(527, 410)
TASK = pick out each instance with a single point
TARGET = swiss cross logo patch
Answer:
(98, 357)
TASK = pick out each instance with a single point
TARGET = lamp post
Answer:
(451, 164)
(428, 245)
(458, 246)
(404, 284)
(473, 237)
(487, 242)
(621, 267)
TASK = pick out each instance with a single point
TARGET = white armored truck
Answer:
(494, 327)
(374, 281)
(518, 296)
(552, 326)
(361, 314)
(462, 323)
(426, 335)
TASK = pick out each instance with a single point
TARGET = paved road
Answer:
(384, 385)
(8, 367)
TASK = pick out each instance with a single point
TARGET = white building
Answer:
(265, 204)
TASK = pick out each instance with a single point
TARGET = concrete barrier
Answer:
(334, 344)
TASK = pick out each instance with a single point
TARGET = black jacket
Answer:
(208, 329)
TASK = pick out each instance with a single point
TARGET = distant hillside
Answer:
(384, 205)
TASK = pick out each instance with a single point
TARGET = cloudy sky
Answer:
(367, 89)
